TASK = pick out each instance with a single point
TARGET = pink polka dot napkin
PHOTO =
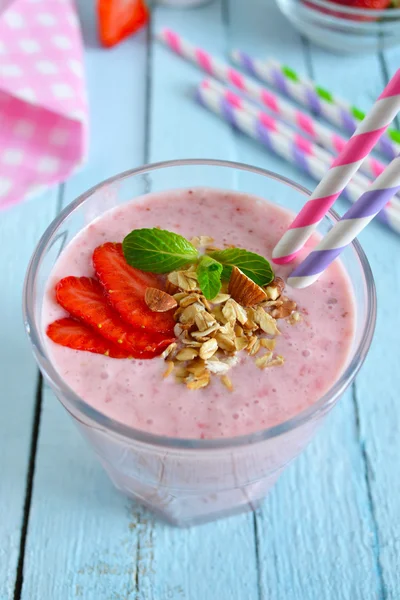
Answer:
(43, 106)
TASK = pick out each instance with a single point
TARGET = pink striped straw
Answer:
(347, 229)
(210, 96)
(338, 176)
(279, 106)
(303, 144)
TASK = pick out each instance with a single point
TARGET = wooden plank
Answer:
(85, 540)
(20, 229)
(309, 527)
(216, 560)
(377, 395)
(83, 536)
(361, 81)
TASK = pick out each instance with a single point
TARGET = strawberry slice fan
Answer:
(110, 316)
(126, 287)
(75, 335)
(43, 105)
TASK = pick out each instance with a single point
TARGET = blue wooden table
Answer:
(330, 530)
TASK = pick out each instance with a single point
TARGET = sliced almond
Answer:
(159, 301)
(169, 369)
(169, 350)
(186, 354)
(227, 382)
(208, 349)
(262, 361)
(244, 290)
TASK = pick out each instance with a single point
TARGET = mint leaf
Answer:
(157, 250)
(253, 265)
(209, 276)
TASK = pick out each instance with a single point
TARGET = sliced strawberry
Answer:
(126, 287)
(76, 335)
(85, 300)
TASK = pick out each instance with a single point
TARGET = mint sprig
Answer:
(256, 267)
(161, 251)
(209, 276)
(158, 250)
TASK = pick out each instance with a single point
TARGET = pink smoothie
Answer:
(134, 392)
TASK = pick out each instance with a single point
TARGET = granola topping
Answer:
(243, 317)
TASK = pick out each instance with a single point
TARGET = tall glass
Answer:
(185, 480)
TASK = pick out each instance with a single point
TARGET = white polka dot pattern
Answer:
(47, 67)
(43, 106)
(12, 157)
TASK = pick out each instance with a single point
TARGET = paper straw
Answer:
(317, 99)
(274, 103)
(339, 174)
(348, 228)
(283, 147)
(303, 144)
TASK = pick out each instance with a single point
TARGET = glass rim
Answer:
(351, 10)
(101, 420)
